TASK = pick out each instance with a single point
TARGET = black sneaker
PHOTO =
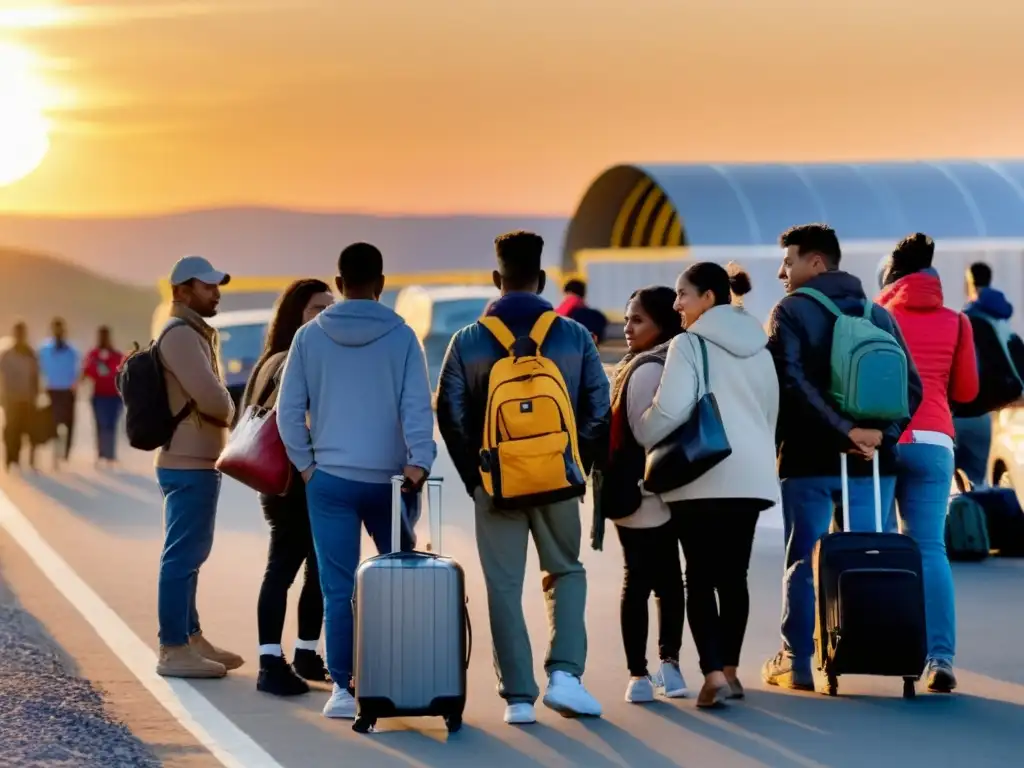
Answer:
(939, 676)
(277, 678)
(310, 665)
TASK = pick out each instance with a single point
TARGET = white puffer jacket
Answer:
(744, 382)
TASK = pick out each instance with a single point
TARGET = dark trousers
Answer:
(18, 425)
(717, 536)
(62, 401)
(291, 545)
(106, 410)
(651, 565)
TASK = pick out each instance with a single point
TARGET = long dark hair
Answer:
(287, 317)
(657, 302)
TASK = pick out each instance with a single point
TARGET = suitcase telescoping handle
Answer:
(877, 483)
(433, 509)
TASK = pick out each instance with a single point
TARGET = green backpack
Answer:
(869, 367)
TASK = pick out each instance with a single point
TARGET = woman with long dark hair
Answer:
(715, 516)
(291, 541)
(650, 547)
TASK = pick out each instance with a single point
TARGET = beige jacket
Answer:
(189, 355)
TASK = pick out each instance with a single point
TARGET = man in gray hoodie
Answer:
(360, 373)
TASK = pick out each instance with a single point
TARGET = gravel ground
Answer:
(49, 717)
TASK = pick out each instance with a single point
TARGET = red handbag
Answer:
(255, 454)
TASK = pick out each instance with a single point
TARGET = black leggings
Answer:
(291, 544)
(717, 536)
(651, 565)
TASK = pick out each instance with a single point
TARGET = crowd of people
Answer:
(354, 408)
(39, 391)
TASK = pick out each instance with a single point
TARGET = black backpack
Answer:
(143, 389)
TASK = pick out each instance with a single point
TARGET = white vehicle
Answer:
(436, 313)
(242, 334)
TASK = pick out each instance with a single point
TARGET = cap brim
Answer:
(214, 278)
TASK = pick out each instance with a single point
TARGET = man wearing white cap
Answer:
(185, 468)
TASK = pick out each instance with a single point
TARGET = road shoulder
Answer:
(74, 701)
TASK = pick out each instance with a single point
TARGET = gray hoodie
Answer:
(359, 371)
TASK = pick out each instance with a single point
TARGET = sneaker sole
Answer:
(648, 700)
(566, 711)
(191, 674)
(786, 681)
(679, 693)
(332, 716)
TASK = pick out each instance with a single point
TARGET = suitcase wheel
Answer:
(454, 723)
(909, 688)
(833, 685)
(364, 724)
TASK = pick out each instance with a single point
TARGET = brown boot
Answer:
(208, 650)
(184, 661)
(734, 683)
(714, 692)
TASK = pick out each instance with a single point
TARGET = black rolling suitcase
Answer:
(870, 601)
(412, 633)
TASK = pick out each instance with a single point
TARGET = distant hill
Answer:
(267, 241)
(36, 288)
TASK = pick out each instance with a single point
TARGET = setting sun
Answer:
(24, 130)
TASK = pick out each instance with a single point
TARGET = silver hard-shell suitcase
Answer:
(412, 633)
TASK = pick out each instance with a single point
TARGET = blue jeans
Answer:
(973, 443)
(808, 504)
(106, 409)
(925, 473)
(338, 509)
(190, 512)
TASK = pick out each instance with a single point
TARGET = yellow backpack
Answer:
(530, 455)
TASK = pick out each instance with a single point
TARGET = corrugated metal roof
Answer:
(750, 204)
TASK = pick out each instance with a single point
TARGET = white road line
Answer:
(214, 730)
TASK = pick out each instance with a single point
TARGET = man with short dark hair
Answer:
(812, 432)
(999, 356)
(502, 536)
(574, 306)
(359, 372)
(61, 366)
(185, 468)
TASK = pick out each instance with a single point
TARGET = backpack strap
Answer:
(500, 331)
(540, 329)
(821, 298)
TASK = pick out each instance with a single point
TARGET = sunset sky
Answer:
(438, 106)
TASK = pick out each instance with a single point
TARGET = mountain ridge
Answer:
(264, 241)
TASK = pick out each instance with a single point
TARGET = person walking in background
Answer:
(650, 546)
(59, 362)
(100, 367)
(574, 306)
(185, 468)
(812, 432)
(941, 343)
(724, 352)
(360, 373)
(1000, 361)
(291, 540)
(19, 389)
(502, 536)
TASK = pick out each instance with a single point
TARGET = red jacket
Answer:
(101, 366)
(942, 344)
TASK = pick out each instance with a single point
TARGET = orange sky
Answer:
(492, 105)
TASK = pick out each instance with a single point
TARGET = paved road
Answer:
(107, 526)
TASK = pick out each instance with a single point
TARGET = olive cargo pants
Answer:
(501, 539)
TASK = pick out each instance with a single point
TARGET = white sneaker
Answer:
(640, 690)
(520, 714)
(671, 682)
(341, 705)
(567, 696)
